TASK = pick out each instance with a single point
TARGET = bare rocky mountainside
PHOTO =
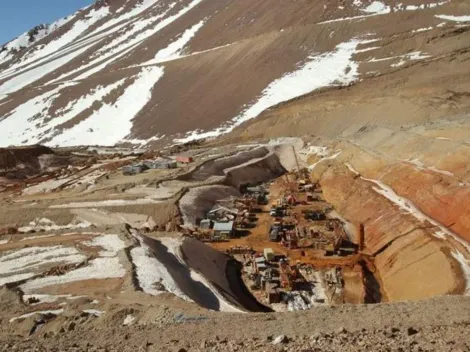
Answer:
(147, 71)
(215, 175)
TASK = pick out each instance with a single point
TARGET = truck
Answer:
(275, 232)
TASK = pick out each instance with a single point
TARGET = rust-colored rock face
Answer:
(412, 201)
(407, 256)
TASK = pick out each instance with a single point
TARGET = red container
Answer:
(184, 159)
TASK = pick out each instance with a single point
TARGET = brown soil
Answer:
(89, 288)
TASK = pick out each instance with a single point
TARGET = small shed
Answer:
(260, 263)
(184, 159)
(161, 164)
(132, 169)
(223, 229)
(268, 254)
(205, 224)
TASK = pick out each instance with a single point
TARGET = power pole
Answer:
(296, 160)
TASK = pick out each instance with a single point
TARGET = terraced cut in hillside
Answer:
(110, 72)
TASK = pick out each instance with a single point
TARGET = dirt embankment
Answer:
(181, 274)
(222, 271)
(217, 167)
(198, 201)
(255, 171)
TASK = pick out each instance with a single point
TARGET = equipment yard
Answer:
(292, 246)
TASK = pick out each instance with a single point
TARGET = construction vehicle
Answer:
(242, 223)
(262, 199)
(313, 215)
(246, 204)
(278, 212)
(288, 275)
(275, 232)
(291, 239)
(333, 246)
(291, 200)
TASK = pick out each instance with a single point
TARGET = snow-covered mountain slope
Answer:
(147, 71)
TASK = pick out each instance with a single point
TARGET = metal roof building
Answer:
(223, 226)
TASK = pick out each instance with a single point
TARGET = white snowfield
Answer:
(416, 55)
(378, 8)
(25, 125)
(54, 55)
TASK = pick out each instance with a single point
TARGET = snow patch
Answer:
(105, 203)
(377, 8)
(112, 123)
(422, 29)
(99, 268)
(111, 245)
(41, 298)
(416, 55)
(27, 262)
(94, 312)
(350, 167)
(48, 225)
(128, 320)
(135, 39)
(322, 159)
(454, 18)
(465, 265)
(175, 49)
(68, 37)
